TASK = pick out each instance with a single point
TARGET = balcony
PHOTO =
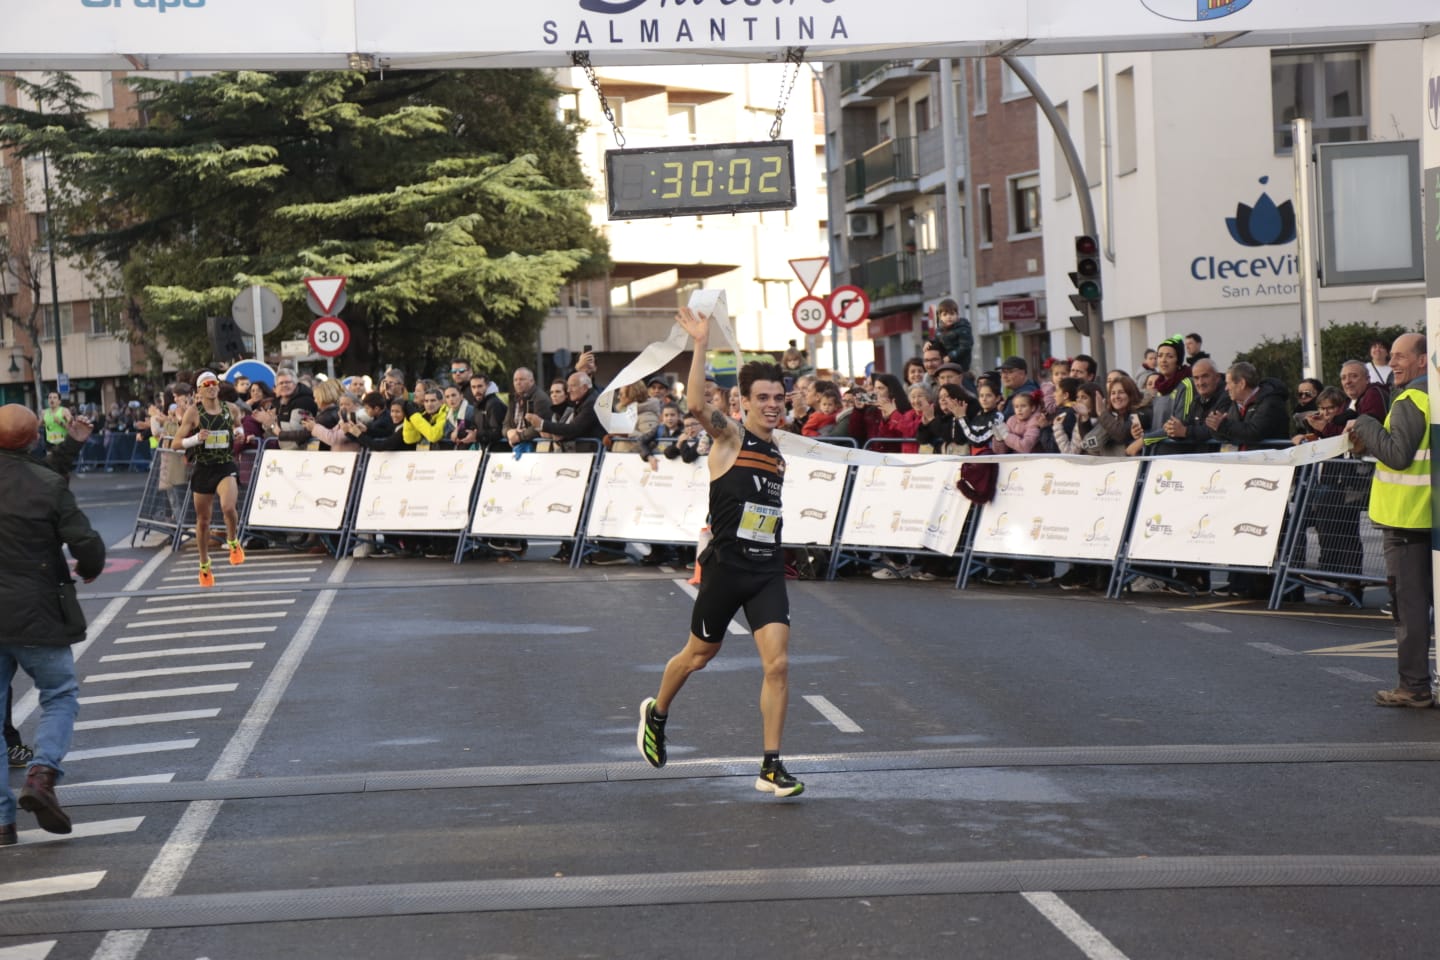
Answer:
(892, 282)
(865, 81)
(885, 173)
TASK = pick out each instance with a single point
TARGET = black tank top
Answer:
(216, 448)
(745, 507)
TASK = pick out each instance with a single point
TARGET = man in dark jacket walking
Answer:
(37, 516)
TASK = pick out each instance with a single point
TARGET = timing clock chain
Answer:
(581, 59)
(794, 58)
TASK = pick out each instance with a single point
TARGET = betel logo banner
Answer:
(1193, 10)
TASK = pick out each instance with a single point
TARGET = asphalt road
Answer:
(407, 757)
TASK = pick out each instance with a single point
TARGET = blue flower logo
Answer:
(1193, 11)
(621, 6)
(1263, 225)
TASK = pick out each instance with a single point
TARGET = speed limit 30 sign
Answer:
(810, 315)
(329, 336)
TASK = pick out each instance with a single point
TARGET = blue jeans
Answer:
(53, 670)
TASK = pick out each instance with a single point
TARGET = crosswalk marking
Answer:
(161, 694)
(94, 828)
(222, 618)
(263, 572)
(118, 781)
(49, 886)
(131, 749)
(834, 714)
(28, 951)
(189, 634)
(169, 671)
(211, 595)
(221, 602)
(253, 582)
(140, 718)
(183, 651)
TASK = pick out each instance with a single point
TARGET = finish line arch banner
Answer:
(382, 34)
(417, 490)
(1222, 514)
(301, 489)
(1058, 508)
(911, 506)
(532, 495)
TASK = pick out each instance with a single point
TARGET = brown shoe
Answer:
(8, 836)
(1400, 697)
(38, 797)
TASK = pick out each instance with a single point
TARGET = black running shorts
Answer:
(207, 476)
(724, 590)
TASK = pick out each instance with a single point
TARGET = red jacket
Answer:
(868, 424)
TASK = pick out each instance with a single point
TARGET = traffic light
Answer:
(1086, 279)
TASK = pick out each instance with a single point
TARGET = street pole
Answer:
(1082, 193)
(1305, 249)
(958, 239)
(54, 282)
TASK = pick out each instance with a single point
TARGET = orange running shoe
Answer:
(207, 577)
(237, 552)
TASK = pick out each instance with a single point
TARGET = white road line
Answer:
(136, 720)
(252, 576)
(31, 701)
(170, 864)
(191, 634)
(183, 651)
(223, 618)
(28, 951)
(94, 828)
(1205, 627)
(49, 886)
(117, 781)
(248, 583)
(1091, 942)
(1349, 674)
(1273, 648)
(689, 588)
(211, 595)
(834, 714)
(221, 602)
(131, 749)
(162, 694)
(169, 671)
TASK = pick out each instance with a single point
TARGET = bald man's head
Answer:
(18, 427)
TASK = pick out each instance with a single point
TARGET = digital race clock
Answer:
(711, 178)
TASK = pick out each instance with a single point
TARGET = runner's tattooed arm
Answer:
(715, 421)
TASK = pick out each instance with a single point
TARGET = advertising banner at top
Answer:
(269, 34)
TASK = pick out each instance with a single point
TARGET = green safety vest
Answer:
(54, 425)
(1401, 498)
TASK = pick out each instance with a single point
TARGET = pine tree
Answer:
(453, 202)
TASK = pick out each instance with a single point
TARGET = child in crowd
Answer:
(823, 422)
(1022, 431)
(1059, 369)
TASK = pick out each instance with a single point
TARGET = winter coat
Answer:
(1265, 417)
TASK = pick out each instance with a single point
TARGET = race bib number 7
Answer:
(758, 522)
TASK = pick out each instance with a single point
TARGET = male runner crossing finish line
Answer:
(744, 565)
(212, 426)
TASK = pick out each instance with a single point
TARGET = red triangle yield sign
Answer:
(325, 290)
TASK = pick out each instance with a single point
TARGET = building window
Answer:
(1127, 153)
(42, 231)
(682, 122)
(67, 319)
(567, 107)
(922, 115)
(1326, 87)
(1011, 87)
(982, 91)
(1090, 149)
(983, 222)
(1064, 183)
(1024, 205)
(106, 315)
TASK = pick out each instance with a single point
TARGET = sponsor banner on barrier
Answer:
(533, 495)
(303, 489)
(1058, 508)
(417, 490)
(663, 500)
(1224, 514)
(813, 491)
(913, 505)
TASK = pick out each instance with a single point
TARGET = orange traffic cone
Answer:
(701, 543)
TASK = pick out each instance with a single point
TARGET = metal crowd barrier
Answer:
(1332, 545)
(163, 499)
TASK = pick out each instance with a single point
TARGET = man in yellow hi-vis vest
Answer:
(1400, 506)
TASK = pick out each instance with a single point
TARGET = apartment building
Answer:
(1189, 158)
(103, 367)
(659, 262)
(888, 177)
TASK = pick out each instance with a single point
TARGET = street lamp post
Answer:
(54, 282)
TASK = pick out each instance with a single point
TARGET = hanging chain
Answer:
(794, 57)
(581, 59)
